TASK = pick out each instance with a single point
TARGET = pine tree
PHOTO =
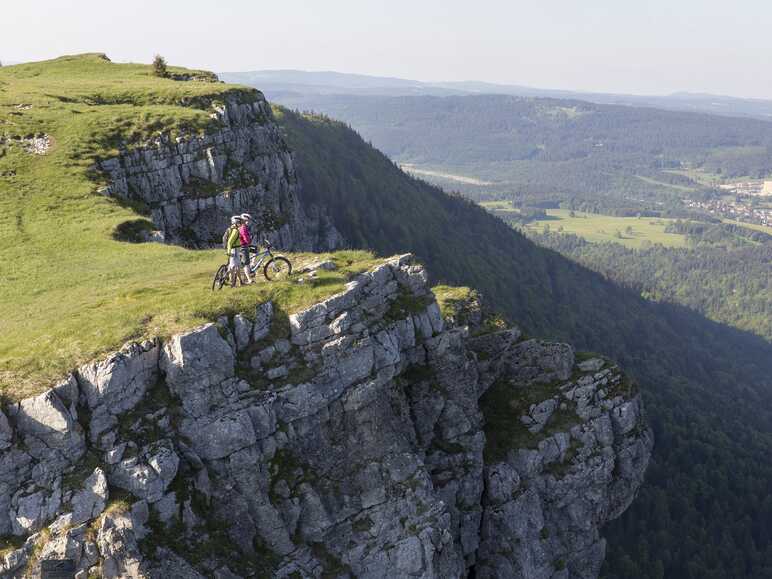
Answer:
(159, 66)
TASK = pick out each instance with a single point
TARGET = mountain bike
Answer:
(277, 268)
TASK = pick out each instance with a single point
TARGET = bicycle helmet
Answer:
(235, 219)
(246, 216)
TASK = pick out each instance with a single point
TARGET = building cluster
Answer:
(739, 209)
(751, 188)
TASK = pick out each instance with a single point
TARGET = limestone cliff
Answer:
(364, 436)
(190, 186)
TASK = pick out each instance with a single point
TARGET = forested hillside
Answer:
(557, 150)
(704, 511)
(729, 284)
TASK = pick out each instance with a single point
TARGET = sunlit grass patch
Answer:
(70, 288)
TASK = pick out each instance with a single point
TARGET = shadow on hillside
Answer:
(706, 385)
(638, 331)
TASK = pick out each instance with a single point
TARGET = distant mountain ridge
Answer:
(621, 159)
(330, 82)
(288, 87)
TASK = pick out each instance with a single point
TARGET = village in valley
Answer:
(745, 201)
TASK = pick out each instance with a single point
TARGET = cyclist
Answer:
(247, 219)
(245, 239)
(232, 248)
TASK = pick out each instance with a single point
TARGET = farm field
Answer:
(631, 232)
(499, 206)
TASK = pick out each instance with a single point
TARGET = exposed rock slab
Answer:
(192, 185)
(357, 444)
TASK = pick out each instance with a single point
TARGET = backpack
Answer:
(225, 237)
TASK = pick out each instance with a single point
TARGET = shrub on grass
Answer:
(159, 66)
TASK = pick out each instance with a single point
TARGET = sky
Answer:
(622, 46)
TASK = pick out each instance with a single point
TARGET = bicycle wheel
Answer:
(277, 269)
(219, 277)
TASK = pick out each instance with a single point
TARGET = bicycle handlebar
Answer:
(255, 247)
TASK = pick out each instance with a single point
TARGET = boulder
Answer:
(220, 437)
(90, 501)
(13, 563)
(148, 475)
(263, 319)
(47, 425)
(121, 557)
(33, 507)
(325, 265)
(538, 361)
(591, 365)
(120, 381)
(242, 329)
(195, 363)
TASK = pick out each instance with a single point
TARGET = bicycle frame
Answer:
(254, 262)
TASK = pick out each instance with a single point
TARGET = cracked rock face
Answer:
(89, 502)
(191, 186)
(374, 439)
(572, 461)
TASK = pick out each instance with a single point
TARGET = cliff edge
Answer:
(368, 435)
(191, 185)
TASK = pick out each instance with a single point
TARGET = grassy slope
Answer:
(68, 291)
(706, 385)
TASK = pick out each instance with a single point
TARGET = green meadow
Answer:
(632, 232)
(68, 290)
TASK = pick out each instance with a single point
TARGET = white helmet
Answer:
(246, 216)
(235, 219)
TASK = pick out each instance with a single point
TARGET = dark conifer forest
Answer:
(705, 510)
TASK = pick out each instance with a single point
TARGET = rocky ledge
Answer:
(191, 185)
(365, 436)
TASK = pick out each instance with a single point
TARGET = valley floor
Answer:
(632, 232)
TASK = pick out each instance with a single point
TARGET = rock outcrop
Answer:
(570, 463)
(364, 436)
(191, 185)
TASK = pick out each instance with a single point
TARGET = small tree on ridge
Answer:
(159, 66)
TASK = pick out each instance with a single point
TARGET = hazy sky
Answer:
(631, 46)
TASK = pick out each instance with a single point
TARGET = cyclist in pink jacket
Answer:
(245, 237)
